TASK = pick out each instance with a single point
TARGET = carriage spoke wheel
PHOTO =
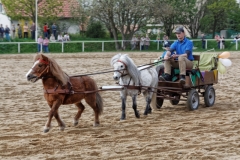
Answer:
(192, 100)
(209, 96)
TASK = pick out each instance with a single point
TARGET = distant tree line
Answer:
(125, 17)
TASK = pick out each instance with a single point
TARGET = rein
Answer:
(95, 73)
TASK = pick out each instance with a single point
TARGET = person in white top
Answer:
(66, 37)
(52, 38)
(60, 38)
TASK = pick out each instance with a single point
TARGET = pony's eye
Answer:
(40, 65)
(121, 66)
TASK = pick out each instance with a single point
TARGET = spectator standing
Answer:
(19, 31)
(217, 37)
(223, 42)
(203, 41)
(33, 30)
(54, 30)
(13, 31)
(1, 32)
(45, 45)
(138, 42)
(48, 30)
(7, 32)
(133, 42)
(40, 43)
(142, 42)
(25, 30)
(45, 30)
(147, 43)
(52, 38)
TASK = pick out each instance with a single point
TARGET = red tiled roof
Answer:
(68, 6)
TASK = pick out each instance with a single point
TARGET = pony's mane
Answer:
(131, 67)
(55, 69)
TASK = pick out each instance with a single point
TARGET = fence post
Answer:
(236, 44)
(157, 44)
(206, 45)
(82, 46)
(102, 46)
(19, 47)
(62, 47)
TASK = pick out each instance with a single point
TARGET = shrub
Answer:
(95, 30)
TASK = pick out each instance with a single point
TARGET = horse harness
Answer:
(128, 85)
(57, 90)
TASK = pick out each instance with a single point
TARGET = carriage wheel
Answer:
(175, 101)
(159, 102)
(209, 96)
(192, 100)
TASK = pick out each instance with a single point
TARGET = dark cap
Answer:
(179, 30)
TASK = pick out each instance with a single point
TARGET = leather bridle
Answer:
(122, 73)
(46, 69)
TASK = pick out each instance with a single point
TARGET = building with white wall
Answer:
(4, 19)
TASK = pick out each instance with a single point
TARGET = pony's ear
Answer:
(44, 57)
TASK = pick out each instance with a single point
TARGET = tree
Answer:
(79, 13)
(25, 9)
(219, 11)
(234, 19)
(190, 14)
(95, 30)
(124, 16)
(163, 11)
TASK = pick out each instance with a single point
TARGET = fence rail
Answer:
(157, 45)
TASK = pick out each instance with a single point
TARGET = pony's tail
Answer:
(99, 102)
(154, 97)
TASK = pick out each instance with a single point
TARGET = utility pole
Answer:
(36, 21)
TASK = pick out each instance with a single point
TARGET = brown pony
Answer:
(60, 89)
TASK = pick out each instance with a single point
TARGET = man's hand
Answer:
(174, 56)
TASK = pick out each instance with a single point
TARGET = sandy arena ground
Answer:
(173, 132)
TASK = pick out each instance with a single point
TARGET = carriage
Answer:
(198, 83)
(61, 89)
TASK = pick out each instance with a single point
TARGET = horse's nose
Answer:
(29, 77)
(115, 77)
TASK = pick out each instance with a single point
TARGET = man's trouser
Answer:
(183, 63)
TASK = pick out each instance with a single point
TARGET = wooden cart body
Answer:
(190, 92)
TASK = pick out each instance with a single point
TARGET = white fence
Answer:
(158, 46)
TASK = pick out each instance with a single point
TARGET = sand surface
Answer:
(173, 132)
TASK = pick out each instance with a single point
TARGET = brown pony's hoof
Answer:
(75, 122)
(61, 128)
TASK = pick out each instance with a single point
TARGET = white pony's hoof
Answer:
(46, 129)
(96, 124)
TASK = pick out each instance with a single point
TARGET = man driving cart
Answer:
(182, 58)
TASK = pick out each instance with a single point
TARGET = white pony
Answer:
(127, 73)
